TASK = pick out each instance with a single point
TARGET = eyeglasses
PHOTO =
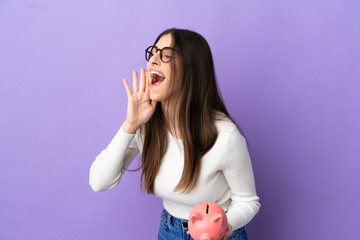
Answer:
(166, 54)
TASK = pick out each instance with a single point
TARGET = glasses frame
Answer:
(147, 50)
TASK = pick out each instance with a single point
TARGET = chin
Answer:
(155, 97)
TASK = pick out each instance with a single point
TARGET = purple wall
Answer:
(289, 72)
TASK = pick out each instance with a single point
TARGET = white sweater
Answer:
(226, 175)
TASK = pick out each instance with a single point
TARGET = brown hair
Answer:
(197, 106)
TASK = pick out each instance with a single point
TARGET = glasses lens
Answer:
(153, 50)
(148, 53)
(167, 54)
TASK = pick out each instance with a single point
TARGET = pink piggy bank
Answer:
(207, 221)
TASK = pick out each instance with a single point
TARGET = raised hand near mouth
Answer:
(140, 108)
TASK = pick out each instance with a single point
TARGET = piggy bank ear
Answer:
(195, 217)
(217, 218)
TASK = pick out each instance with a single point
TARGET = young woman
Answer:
(191, 149)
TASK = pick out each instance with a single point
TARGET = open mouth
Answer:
(156, 78)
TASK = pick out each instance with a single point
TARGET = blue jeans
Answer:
(172, 228)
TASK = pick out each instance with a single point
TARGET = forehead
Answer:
(164, 41)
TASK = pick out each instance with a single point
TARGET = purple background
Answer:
(289, 72)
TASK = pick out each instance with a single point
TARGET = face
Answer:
(160, 72)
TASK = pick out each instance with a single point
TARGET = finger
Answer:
(135, 82)
(142, 80)
(127, 87)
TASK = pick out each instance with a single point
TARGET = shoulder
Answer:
(223, 123)
(227, 129)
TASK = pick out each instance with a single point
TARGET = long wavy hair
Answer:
(198, 102)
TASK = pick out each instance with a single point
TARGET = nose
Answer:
(155, 59)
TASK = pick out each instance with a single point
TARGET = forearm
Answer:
(241, 213)
(107, 168)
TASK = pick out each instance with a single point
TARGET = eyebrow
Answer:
(163, 47)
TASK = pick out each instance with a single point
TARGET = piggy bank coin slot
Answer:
(207, 209)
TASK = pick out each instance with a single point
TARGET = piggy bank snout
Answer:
(205, 237)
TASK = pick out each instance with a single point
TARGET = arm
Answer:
(110, 164)
(238, 172)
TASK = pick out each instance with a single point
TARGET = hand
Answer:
(140, 108)
(229, 231)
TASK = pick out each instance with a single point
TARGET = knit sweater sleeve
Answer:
(238, 172)
(107, 169)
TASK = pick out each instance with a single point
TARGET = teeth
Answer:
(157, 73)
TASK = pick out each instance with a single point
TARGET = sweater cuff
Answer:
(120, 138)
(124, 132)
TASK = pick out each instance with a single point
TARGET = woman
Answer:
(191, 149)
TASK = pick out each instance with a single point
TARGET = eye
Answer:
(167, 54)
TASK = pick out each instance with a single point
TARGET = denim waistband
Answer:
(169, 219)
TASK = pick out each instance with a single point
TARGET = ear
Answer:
(195, 217)
(217, 218)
